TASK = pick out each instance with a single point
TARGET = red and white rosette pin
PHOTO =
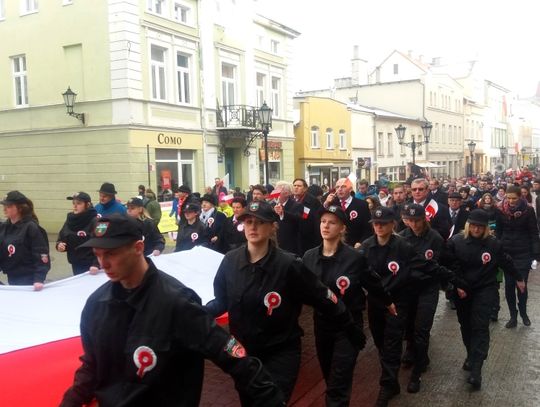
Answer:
(486, 257)
(210, 222)
(353, 215)
(11, 250)
(81, 233)
(194, 236)
(393, 266)
(429, 254)
(272, 300)
(343, 283)
(240, 227)
(145, 359)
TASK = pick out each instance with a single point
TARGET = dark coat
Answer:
(440, 196)
(77, 230)
(214, 227)
(289, 226)
(461, 219)
(358, 217)
(309, 234)
(153, 239)
(232, 235)
(441, 222)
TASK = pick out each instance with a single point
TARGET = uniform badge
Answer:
(44, 258)
(393, 266)
(210, 222)
(81, 233)
(429, 254)
(343, 283)
(517, 214)
(272, 300)
(378, 213)
(145, 359)
(101, 228)
(194, 236)
(254, 206)
(486, 258)
(11, 250)
(331, 296)
(353, 215)
(235, 348)
(240, 227)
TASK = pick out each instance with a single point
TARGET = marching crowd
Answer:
(384, 251)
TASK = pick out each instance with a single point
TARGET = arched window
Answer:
(315, 142)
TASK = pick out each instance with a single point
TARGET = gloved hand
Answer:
(356, 335)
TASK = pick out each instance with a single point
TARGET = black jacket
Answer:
(358, 217)
(190, 236)
(24, 249)
(247, 292)
(309, 233)
(441, 222)
(440, 196)
(214, 227)
(347, 275)
(461, 219)
(77, 230)
(232, 235)
(289, 227)
(163, 318)
(476, 261)
(153, 239)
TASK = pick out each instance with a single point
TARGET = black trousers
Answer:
(511, 290)
(25, 279)
(282, 363)
(387, 331)
(337, 358)
(473, 315)
(419, 323)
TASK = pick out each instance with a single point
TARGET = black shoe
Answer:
(475, 380)
(385, 395)
(467, 365)
(494, 317)
(408, 358)
(526, 320)
(452, 304)
(512, 323)
(414, 384)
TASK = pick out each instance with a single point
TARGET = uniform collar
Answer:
(244, 260)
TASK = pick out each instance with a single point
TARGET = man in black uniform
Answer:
(145, 334)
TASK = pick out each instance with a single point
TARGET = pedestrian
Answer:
(145, 334)
(438, 214)
(213, 220)
(458, 212)
(400, 268)
(152, 205)
(290, 214)
(218, 188)
(232, 233)
(24, 246)
(185, 197)
(258, 193)
(308, 228)
(154, 242)
(76, 231)
(224, 206)
(107, 201)
(263, 289)
(191, 231)
(475, 256)
(517, 229)
(344, 271)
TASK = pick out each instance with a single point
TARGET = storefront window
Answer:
(173, 168)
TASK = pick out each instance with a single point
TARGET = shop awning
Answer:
(429, 164)
(320, 164)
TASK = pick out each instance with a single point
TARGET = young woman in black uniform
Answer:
(475, 256)
(24, 247)
(76, 231)
(263, 288)
(344, 271)
(154, 242)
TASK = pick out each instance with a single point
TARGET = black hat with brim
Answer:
(107, 188)
(80, 196)
(261, 210)
(478, 217)
(382, 215)
(337, 212)
(14, 197)
(114, 231)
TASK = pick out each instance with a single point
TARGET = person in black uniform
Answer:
(475, 256)
(344, 271)
(212, 219)
(263, 288)
(308, 228)
(76, 230)
(154, 242)
(24, 246)
(232, 233)
(400, 268)
(357, 212)
(191, 231)
(145, 334)
(424, 298)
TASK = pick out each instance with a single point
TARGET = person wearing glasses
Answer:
(439, 217)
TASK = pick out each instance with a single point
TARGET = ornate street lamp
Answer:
(426, 130)
(472, 146)
(265, 119)
(69, 100)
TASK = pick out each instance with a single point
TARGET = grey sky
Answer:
(503, 34)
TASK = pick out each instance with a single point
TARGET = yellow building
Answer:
(150, 105)
(322, 140)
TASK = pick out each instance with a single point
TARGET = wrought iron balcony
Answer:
(237, 117)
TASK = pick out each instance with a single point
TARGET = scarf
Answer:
(516, 211)
(78, 221)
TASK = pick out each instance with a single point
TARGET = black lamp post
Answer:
(426, 130)
(265, 119)
(471, 146)
(69, 100)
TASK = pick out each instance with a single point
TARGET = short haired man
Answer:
(107, 201)
(309, 235)
(458, 212)
(362, 189)
(258, 193)
(232, 234)
(440, 218)
(399, 196)
(436, 192)
(145, 334)
(290, 215)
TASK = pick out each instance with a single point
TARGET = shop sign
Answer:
(169, 140)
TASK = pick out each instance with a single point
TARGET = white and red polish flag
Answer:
(39, 331)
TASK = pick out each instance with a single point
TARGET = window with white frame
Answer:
(29, 6)
(436, 133)
(260, 88)
(342, 139)
(158, 72)
(274, 46)
(182, 13)
(390, 144)
(183, 77)
(315, 142)
(443, 134)
(228, 84)
(276, 83)
(329, 139)
(156, 6)
(396, 69)
(19, 79)
(380, 143)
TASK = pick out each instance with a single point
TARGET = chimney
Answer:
(436, 61)
(359, 71)
(538, 90)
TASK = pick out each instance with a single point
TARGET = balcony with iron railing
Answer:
(237, 117)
